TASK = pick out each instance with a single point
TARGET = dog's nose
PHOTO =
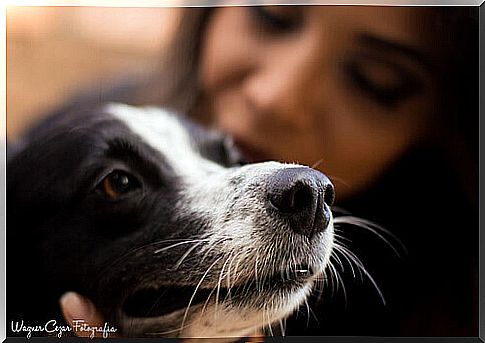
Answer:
(302, 197)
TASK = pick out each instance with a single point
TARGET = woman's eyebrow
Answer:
(392, 46)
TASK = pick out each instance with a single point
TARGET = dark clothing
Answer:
(430, 291)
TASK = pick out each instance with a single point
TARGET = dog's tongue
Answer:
(158, 302)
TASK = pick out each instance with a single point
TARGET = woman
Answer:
(384, 101)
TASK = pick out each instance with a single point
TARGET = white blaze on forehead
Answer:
(163, 131)
(240, 228)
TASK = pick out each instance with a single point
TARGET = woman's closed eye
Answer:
(276, 19)
(385, 82)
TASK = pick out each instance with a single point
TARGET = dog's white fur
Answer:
(252, 246)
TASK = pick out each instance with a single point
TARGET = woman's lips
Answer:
(250, 152)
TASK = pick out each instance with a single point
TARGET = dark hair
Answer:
(457, 120)
(456, 124)
(450, 153)
(174, 82)
(420, 199)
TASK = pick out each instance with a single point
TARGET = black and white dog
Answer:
(152, 218)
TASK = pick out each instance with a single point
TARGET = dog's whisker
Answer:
(207, 302)
(361, 267)
(308, 313)
(196, 289)
(268, 320)
(351, 257)
(237, 266)
(229, 286)
(317, 287)
(219, 284)
(228, 276)
(320, 287)
(317, 163)
(258, 285)
(337, 259)
(337, 250)
(130, 253)
(177, 244)
(210, 247)
(282, 328)
(340, 237)
(342, 244)
(344, 290)
(339, 180)
(184, 256)
(237, 257)
(329, 279)
(312, 314)
(337, 279)
(373, 228)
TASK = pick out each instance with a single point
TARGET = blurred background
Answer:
(55, 52)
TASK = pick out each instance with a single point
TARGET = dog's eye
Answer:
(118, 183)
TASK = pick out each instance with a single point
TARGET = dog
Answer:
(158, 222)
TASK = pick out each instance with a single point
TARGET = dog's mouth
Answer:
(157, 302)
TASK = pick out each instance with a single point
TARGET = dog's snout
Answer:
(302, 197)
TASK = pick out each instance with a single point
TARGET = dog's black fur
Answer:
(64, 234)
(59, 232)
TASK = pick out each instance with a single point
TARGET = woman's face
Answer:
(345, 89)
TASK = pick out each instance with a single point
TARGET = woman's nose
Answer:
(287, 87)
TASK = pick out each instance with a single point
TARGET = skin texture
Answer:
(285, 91)
(75, 306)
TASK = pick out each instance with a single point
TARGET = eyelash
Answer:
(385, 96)
(278, 22)
(275, 22)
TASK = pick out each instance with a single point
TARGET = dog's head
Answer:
(151, 217)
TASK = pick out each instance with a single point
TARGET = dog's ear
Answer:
(220, 149)
(234, 156)
(213, 144)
